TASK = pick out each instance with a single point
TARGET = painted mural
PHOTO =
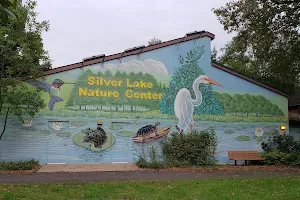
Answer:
(141, 101)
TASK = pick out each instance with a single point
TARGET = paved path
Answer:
(136, 175)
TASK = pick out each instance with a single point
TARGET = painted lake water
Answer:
(41, 143)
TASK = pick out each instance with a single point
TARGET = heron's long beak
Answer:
(213, 82)
(69, 83)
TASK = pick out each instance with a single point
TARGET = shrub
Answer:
(276, 158)
(153, 162)
(195, 149)
(20, 165)
(281, 150)
(282, 143)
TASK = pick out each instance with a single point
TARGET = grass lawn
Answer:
(259, 188)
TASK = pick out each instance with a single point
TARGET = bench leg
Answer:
(245, 162)
(235, 162)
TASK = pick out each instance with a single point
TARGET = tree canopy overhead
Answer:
(22, 54)
(7, 9)
(267, 44)
(154, 41)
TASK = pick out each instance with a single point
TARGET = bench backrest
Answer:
(244, 155)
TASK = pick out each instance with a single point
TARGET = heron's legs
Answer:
(191, 128)
(180, 130)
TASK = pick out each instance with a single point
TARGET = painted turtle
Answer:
(148, 129)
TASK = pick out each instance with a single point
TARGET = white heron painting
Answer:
(184, 104)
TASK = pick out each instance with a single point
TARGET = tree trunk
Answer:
(1, 101)
(5, 121)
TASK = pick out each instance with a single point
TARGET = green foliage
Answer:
(245, 105)
(281, 149)
(8, 10)
(266, 45)
(276, 158)
(281, 142)
(214, 55)
(153, 162)
(20, 165)
(154, 41)
(22, 55)
(195, 149)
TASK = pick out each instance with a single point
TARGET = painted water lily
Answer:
(259, 132)
(27, 123)
(57, 126)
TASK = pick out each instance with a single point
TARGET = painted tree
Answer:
(184, 77)
(246, 104)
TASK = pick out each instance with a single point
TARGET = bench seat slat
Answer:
(244, 155)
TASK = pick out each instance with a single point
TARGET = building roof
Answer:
(142, 49)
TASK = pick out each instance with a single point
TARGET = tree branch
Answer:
(285, 1)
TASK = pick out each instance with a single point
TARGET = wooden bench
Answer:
(244, 155)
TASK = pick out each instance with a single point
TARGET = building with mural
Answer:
(105, 108)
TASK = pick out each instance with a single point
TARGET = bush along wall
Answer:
(281, 149)
(181, 150)
(20, 165)
(195, 149)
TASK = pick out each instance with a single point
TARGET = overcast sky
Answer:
(83, 28)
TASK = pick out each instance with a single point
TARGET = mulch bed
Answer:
(228, 168)
(224, 168)
(16, 172)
